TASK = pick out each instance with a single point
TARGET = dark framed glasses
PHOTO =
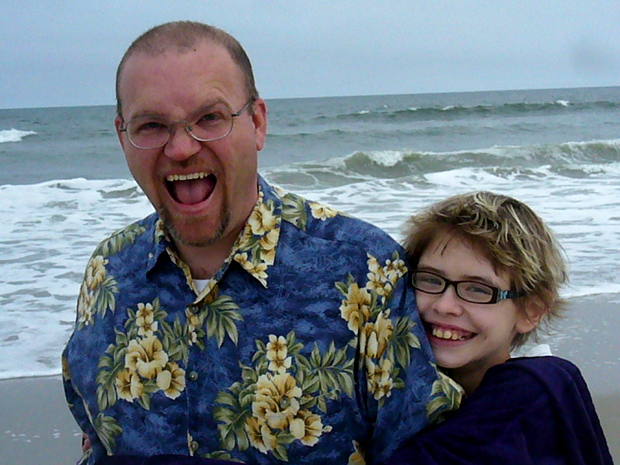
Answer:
(469, 291)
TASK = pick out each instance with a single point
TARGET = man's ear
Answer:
(530, 317)
(117, 124)
(259, 119)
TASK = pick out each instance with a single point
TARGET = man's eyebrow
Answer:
(211, 105)
(143, 113)
(204, 107)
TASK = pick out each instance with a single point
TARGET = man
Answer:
(237, 322)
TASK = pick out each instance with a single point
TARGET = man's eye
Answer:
(212, 117)
(148, 126)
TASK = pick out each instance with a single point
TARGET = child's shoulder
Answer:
(544, 367)
(534, 386)
(551, 377)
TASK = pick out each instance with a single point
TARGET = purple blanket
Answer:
(526, 411)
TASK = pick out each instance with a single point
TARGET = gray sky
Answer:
(65, 53)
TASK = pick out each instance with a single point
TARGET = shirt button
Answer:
(194, 446)
(193, 376)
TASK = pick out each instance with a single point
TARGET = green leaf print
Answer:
(333, 371)
(220, 316)
(221, 455)
(119, 240)
(105, 296)
(232, 414)
(280, 453)
(107, 429)
(403, 340)
(447, 396)
(294, 210)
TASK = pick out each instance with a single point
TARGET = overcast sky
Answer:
(65, 53)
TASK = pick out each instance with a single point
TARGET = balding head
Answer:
(181, 37)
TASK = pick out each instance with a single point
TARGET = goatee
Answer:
(169, 223)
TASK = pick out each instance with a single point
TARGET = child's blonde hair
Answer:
(511, 236)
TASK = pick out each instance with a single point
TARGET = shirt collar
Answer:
(254, 249)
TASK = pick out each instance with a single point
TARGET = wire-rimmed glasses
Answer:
(208, 124)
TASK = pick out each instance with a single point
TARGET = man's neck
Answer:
(205, 261)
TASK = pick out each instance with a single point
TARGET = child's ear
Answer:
(529, 318)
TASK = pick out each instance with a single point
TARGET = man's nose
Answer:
(181, 144)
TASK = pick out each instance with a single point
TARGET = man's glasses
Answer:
(151, 132)
(469, 291)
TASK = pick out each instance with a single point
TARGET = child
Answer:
(487, 273)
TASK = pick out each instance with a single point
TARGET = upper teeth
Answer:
(447, 334)
(186, 177)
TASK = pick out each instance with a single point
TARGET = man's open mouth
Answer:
(191, 189)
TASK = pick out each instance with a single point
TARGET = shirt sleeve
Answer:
(80, 414)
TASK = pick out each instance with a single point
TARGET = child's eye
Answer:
(428, 281)
(477, 288)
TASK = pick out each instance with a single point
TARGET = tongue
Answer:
(193, 191)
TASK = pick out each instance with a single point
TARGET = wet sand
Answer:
(36, 427)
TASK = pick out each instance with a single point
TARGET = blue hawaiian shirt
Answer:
(305, 347)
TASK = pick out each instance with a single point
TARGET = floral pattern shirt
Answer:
(305, 347)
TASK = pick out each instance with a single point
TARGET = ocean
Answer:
(64, 185)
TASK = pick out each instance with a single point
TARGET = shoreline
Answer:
(36, 426)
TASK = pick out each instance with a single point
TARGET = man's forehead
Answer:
(176, 89)
(206, 61)
(173, 52)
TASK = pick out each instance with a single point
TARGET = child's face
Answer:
(484, 331)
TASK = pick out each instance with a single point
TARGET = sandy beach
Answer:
(36, 427)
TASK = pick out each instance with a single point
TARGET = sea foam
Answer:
(379, 158)
(14, 135)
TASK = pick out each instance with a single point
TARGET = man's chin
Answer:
(188, 240)
(194, 232)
